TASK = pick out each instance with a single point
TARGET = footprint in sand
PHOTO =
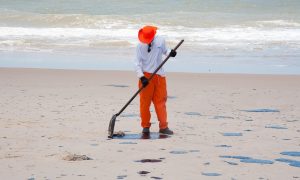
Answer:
(232, 134)
(117, 85)
(192, 113)
(261, 110)
(272, 126)
(178, 152)
(211, 174)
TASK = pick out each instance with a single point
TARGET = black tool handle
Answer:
(166, 59)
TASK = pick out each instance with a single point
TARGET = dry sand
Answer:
(53, 121)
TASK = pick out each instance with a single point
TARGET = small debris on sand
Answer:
(143, 172)
(149, 160)
(75, 157)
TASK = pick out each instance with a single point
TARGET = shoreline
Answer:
(128, 71)
(185, 61)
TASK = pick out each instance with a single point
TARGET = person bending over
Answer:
(149, 53)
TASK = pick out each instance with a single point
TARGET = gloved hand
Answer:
(173, 53)
(144, 81)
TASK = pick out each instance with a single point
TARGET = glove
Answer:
(144, 81)
(173, 53)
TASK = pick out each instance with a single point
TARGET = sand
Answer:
(46, 116)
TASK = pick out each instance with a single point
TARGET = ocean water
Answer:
(234, 36)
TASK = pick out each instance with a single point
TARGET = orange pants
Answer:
(156, 92)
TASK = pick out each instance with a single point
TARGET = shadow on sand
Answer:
(143, 136)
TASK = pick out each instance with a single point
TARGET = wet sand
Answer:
(53, 125)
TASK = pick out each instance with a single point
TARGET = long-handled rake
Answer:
(114, 117)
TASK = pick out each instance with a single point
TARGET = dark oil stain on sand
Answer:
(150, 160)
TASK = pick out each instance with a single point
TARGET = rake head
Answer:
(112, 126)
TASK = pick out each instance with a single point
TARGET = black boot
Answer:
(146, 130)
(166, 131)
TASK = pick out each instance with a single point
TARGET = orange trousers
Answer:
(156, 92)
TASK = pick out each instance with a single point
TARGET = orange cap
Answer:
(147, 33)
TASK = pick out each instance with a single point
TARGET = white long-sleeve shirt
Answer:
(148, 62)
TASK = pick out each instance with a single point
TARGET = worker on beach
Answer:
(148, 57)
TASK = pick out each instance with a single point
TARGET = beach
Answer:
(227, 126)
(66, 67)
